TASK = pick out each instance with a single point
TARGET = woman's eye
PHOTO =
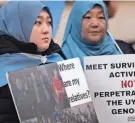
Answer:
(101, 18)
(87, 17)
(38, 22)
(49, 22)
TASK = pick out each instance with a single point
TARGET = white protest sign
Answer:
(111, 80)
(74, 81)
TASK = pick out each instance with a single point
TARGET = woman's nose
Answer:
(45, 29)
(94, 22)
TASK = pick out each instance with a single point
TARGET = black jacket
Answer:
(10, 45)
(125, 47)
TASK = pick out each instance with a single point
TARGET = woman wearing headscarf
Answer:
(25, 41)
(87, 34)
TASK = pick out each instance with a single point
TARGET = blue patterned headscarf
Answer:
(73, 45)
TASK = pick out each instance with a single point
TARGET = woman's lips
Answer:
(94, 33)
(46, 39)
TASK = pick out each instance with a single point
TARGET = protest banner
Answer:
(111, 80)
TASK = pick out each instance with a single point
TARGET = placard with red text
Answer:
(111, 81)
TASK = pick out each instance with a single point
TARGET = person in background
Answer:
(59, 91)
(112, 7)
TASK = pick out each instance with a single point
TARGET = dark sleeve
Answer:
(125, 47)
(7, 108)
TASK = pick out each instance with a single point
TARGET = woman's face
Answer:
(42, 31)
(93, 25)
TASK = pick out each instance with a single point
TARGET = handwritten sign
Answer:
(74, 81)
